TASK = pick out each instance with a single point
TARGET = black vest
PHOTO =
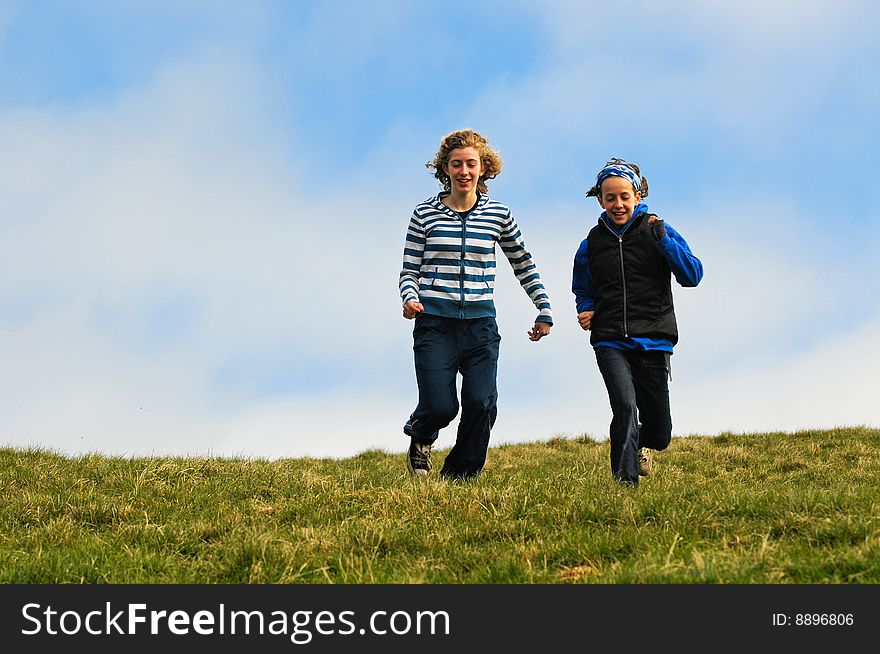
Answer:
(632, 285)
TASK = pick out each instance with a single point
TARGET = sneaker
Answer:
(646, 461)
(418, 459)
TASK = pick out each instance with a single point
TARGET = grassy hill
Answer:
(734, 508)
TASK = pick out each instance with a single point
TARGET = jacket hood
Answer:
(437, 201)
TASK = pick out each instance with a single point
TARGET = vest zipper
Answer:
(623, 280)
(622, 276)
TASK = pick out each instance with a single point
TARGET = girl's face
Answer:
(619, 199)
(464, 168)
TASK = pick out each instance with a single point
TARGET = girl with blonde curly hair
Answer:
(446, 286)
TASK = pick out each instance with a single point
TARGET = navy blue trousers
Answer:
(444, 347)
(637, 388)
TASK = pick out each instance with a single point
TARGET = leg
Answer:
(652, 397)
(478, 341)
(436, 362)
(617, 373)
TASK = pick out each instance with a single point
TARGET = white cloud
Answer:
(147, 242)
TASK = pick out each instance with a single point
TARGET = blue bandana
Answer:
(619, 170)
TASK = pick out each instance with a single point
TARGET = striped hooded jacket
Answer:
(449, 264)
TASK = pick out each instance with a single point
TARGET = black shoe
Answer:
(418, 459)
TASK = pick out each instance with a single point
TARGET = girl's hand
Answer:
(411, 309)
(539, 331)
(585, 318)
(658, 227)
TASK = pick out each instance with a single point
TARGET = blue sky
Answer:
(202, 211)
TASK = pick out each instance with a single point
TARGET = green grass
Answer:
(734, 508)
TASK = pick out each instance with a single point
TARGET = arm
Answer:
(687, 268)
(525, 270)
(413, 250)
(582, 286)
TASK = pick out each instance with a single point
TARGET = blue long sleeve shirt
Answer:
(686, 268)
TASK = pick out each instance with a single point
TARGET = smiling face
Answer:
(464, 168)
(619, 199)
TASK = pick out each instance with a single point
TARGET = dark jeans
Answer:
(637, 387)
(443, 347)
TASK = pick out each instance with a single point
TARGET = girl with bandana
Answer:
(623, 292)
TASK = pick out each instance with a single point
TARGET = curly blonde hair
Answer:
(466, 138)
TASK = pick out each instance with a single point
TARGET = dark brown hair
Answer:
(594, 191)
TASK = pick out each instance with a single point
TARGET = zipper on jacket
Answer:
(622, 275)
(623, 281)
(461, 265)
